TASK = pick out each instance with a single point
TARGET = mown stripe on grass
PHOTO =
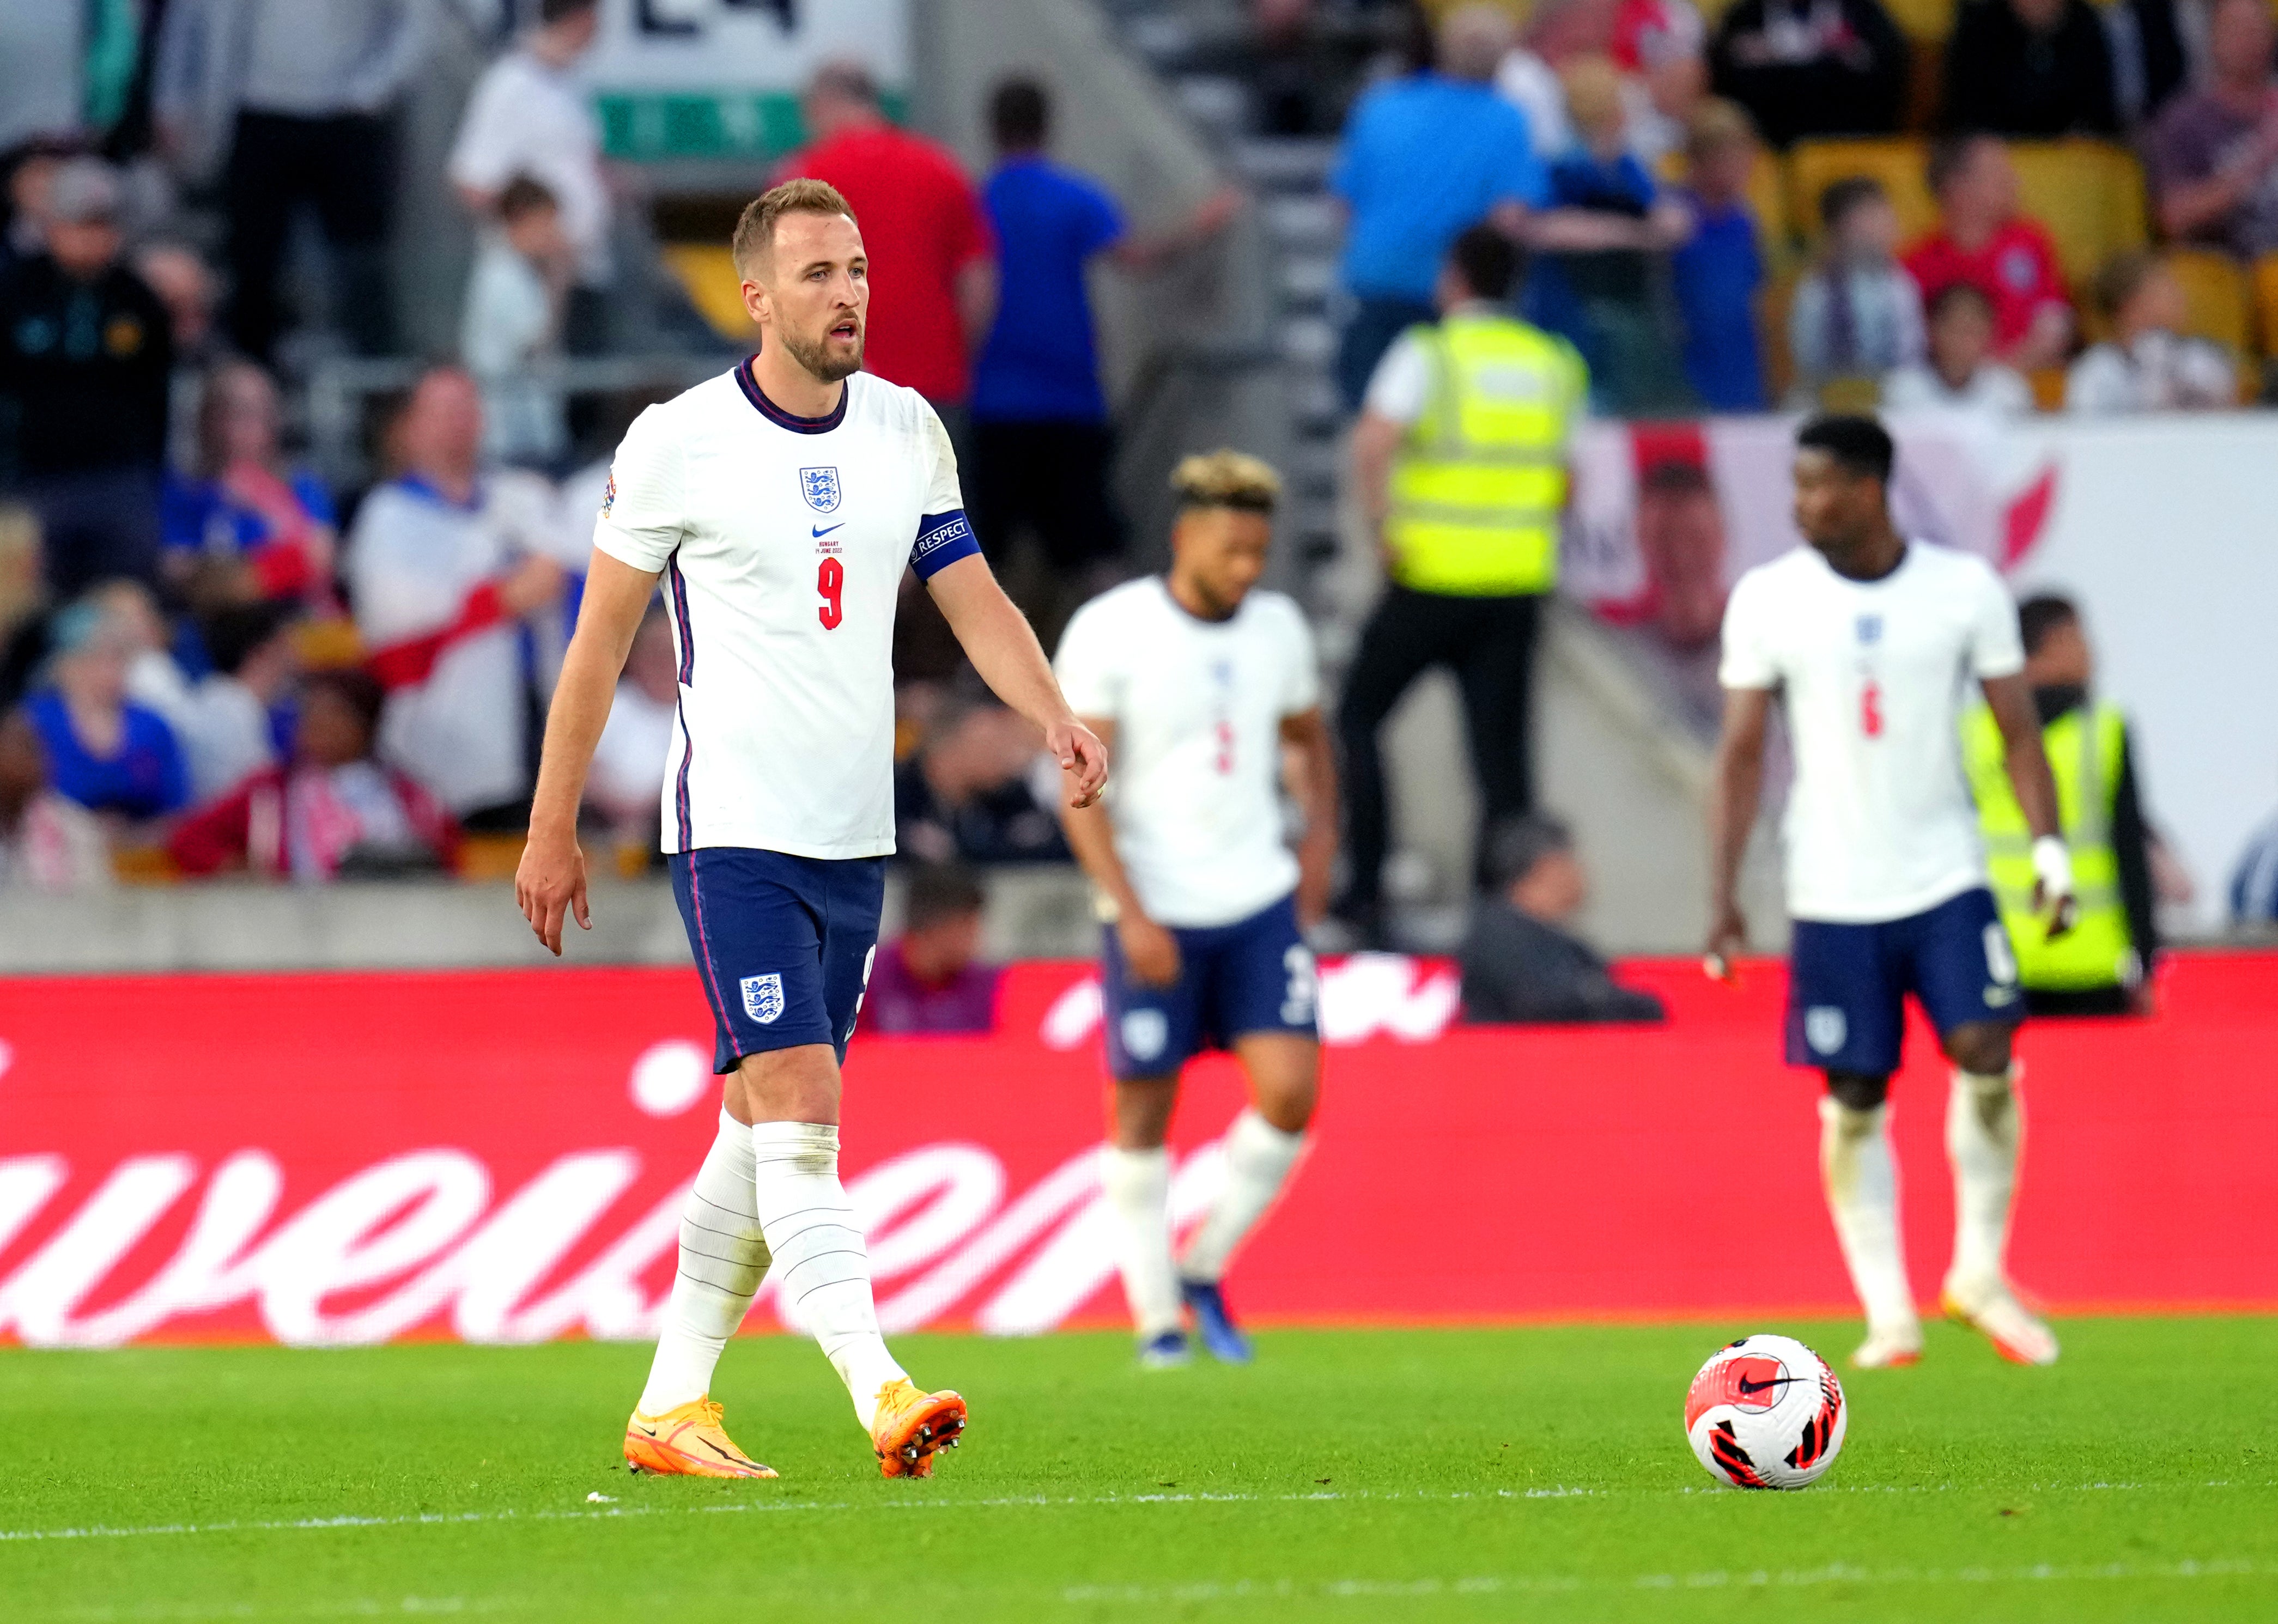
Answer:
(510, 1514)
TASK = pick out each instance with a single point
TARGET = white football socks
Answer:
(1138, 1188)
(1985, 1130)
(1259, 1157)
(823, 1265)
(1862, 1179)
(723, 1257)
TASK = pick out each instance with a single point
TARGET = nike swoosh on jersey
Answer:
(824, 530)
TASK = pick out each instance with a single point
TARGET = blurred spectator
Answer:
(1719, 268)
(229, 728)
(1041, 444)
(2254, 881)
(966, 793)
(930, 978)
(332, 813)
(1531, 74)
(185, 285)
(1805, 68)
(442, 564)
(291, 99)
(31, 181)
(1857, 314)
(105, 752)
(241, 511)
(1663, 46)
(2147, 364)
(1680, 535)
(2159, 49)
(2213, 152)
(511, 330)
(1520, 960)
(1959, 371)
(48, 842)
(928, 239)
(24, 603)
(531, 115)
(2029, 68)
(626, 782)
(85, 359)
(1981, 238)
(1607, 299)
(1424, 157)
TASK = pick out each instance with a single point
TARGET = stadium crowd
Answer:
(212, 659)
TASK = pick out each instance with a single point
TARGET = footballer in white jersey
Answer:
(1204, 683)
(778, 506)
(1872, 643)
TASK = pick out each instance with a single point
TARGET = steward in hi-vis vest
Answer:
(1460, 461)
(2096, 967)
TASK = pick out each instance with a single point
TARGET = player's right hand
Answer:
(1728, 940)
(1150, 951)
(1082, 758)
(549, 884)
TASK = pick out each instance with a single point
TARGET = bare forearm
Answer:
(1091, 838)
(1002, 648)
(573, 729)
(2036, 786)
(1735, 791)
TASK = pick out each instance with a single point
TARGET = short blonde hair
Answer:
(1226, 478)
(1715, 122)
(755, 228)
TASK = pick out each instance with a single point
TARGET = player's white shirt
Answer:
(782, 541)
(1873, 674)
(1197, 708)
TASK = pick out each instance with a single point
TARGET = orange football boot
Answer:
(687, 1441)
(911, 1425)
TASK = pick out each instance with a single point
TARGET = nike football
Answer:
(1766, 1412)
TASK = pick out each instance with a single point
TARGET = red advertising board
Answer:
(500, 1156)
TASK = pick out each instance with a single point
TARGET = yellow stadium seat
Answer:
(2220, 298)
(2048, 388)
(2089, 193)
(330, 645)
(490, 857)
(2265, 301)
(709, 275)
(1815, 166)
(1925, 22)
(144, 865)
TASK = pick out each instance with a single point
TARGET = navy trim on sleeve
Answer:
(942, 539)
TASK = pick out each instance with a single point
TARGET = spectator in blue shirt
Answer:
(1720, 268)
(103, 751)
(243, 511)
(1042, 443)
(1425, 157)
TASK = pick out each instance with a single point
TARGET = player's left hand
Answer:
(1082, 757)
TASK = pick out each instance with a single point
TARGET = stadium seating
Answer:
(2220, 296)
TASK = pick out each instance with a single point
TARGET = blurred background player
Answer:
(1202, 683)
(1868, 639)
(2102, 965)
(779, 813)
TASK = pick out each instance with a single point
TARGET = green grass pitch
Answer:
(1408, 1475)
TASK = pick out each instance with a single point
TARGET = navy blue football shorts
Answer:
(783, 944)
(1847, 983)
(1254, 975)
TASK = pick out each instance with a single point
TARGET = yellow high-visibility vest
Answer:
(1480, 482)
(2084, 748)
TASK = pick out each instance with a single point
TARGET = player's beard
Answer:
(813, 355)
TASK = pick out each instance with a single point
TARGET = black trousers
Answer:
(1488, 644)
(343, 167)
(1051, 478)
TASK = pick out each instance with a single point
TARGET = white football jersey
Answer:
(1197, 708)
(1874, 675)
(782, 541)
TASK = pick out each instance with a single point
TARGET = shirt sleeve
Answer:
(1104, 224)
(1085, 667)
(944, 534)
(483, 155)
(968, 235)
(1997, 649)
(642, 506)
(1523, 179)
(1403, 381)
(1303, 690)
(1747, 662)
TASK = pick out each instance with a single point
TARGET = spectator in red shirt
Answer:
(1981, 240)
(932, 258)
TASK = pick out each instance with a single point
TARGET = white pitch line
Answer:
(509, 1514)
(1492, 1584)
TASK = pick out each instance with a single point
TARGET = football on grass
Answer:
(1766, 1412)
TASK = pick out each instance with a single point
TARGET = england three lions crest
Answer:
(763, 998)
(820, 486)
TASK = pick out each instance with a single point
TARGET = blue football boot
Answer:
(1214, 1322)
